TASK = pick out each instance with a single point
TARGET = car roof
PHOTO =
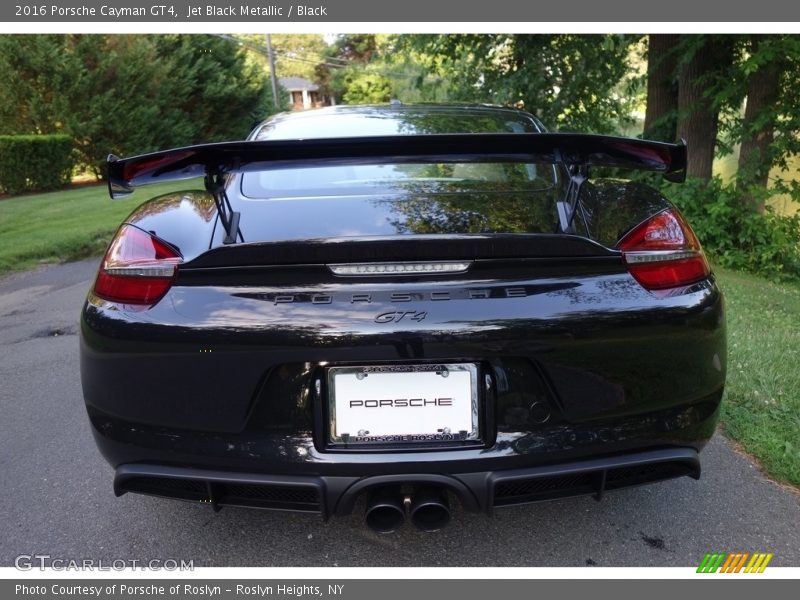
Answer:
(399, 107)
(396, 118)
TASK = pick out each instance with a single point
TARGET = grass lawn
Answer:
(762, 401)
(761, 409)
(65, 225)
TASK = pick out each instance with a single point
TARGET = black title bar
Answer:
(408, 11)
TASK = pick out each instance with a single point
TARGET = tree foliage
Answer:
(704, 63)
(218, 87)
(356, 47)
(769, 127)
(661, 115)
(367, 88)
(296, 54)
(33, 163)
(128, 94)
(571, 82)
(351, 70)
(729, 91)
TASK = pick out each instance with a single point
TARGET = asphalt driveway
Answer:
(57, 497)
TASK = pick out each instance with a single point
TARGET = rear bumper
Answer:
(217, 386)
(477, 491)
(275, 453)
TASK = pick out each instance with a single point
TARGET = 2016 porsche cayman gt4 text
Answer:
(417, 305)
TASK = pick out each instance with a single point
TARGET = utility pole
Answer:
(272, 74)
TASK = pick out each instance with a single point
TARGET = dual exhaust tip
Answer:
(428, 509)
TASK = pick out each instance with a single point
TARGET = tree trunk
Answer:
(660, 118)
(755, 160)
(697, 112)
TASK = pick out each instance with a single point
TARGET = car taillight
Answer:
(138, 268)
(663, 252)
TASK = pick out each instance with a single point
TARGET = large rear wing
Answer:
(575, 151)
(235, 157)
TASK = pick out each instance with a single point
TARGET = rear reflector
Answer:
(138, 268)
(663, 253)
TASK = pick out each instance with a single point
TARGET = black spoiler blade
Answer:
(235, 157)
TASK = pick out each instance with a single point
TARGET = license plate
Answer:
(403, 404)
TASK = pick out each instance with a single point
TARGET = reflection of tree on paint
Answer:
(504, 209)
(201, 203)
(428, 122)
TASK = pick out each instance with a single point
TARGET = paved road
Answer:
(56, 490)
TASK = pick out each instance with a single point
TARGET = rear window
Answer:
(371, 179)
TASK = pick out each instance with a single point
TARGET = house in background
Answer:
(303, 94)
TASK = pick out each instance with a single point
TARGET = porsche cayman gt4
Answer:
(406, 307)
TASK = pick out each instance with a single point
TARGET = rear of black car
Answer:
(406, 333)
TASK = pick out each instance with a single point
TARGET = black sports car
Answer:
(411, 304)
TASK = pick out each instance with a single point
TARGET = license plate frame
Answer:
(463, 411)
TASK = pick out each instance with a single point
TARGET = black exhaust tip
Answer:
(430, 509)
(385, 511)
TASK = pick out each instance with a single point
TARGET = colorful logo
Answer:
(734, 562)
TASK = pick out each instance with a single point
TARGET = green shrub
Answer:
(736, 237)
(34, 163)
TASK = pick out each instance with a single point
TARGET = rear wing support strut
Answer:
(215, 185)
(578, 174)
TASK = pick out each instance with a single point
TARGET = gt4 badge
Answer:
(395, 316)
